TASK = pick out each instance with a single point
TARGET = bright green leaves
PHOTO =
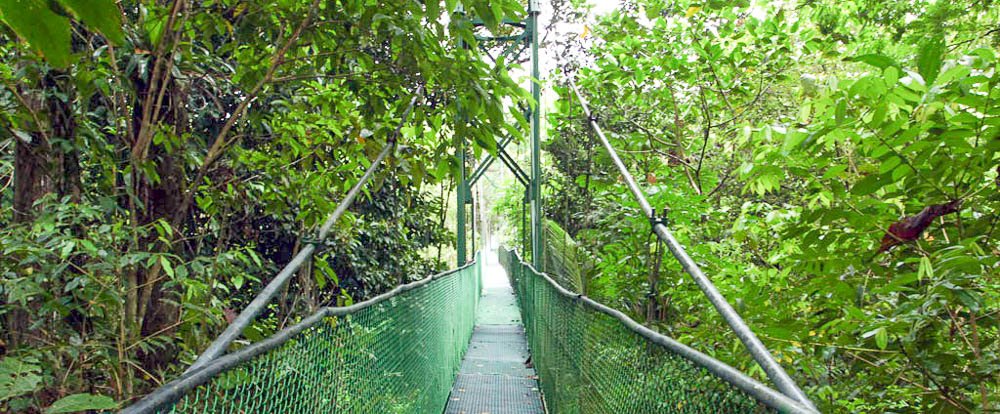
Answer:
(154, 25)
(167, 267)
(34, 21)
(822, 164)
(881, 336)
(43, 24)
(926, 269)
(929, 59)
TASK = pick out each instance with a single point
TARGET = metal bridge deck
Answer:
(494, 377)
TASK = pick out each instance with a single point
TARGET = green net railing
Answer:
(591, 359)
(564, 260)
(397, 353)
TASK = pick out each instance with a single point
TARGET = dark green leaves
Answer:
(878, 61)
(867, 185)
(433, 9)
(100, 15)
(48, 30)
(18, 376)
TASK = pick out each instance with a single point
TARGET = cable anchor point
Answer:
(655, 219)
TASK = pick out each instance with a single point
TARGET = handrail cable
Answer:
(235, 329)
(761, 392)
(174, 390)
(756, 348)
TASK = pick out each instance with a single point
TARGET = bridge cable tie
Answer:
(655, 219)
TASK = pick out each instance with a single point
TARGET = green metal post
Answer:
(524, 221)
(460, 206)
(472, 222)
(462, 184)
(536, 133)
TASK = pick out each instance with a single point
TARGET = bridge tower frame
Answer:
(513, 47)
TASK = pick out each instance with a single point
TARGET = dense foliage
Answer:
(161, 159)
(833, 166)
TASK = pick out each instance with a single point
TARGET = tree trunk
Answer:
(41, 167)
(31, 164)
(151, 308)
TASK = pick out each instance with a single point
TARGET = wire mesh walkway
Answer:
(494, 377)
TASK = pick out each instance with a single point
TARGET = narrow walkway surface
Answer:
(494, 378)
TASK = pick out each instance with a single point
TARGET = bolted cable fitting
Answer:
(658, 219)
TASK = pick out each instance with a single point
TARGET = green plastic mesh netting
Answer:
(589, 362)
(397, 356)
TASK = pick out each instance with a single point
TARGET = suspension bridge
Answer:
(494, 335)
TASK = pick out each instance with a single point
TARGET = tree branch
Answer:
(219, 144)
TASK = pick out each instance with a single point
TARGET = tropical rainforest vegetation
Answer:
(161, 159)
(832, 165)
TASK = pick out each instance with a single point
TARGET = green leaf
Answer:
(929, 60)
(834, 171)
(956, 72)
(67, 249)
(154, 27)
(891, 75)
(881, 338)
(841, 111)
(254, 257)
(433, 10)
(878, 61)
(867, 185)
(18, 376)
(167, 267)
(100, 15)
(889, 164)
(792, 139)
(46, 32)
(81, 402)
(925, 268)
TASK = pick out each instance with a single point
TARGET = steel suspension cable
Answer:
(235, 329)
(757, 350)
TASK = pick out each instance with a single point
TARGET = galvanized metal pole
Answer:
(757, 349)
(235, 329)
(536, 134)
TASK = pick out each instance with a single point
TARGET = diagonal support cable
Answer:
(486, 162)
(512, 165)
(235, 329)
(507, 160)
(757, 349)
